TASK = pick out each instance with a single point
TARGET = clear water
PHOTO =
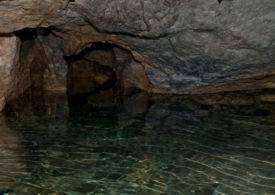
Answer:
(142, 146)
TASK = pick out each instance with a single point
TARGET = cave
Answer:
(44, 67)
(91, 70)
(137, 97)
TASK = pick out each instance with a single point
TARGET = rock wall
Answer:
(129, 73)
(9, 55)
(184, 46)
(90, 72)
(55, 74)
(42, 58)
(35, 63)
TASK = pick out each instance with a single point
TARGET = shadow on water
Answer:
(140, 144)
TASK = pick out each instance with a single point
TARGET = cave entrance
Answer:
(103, 68)
(91, 70)
(91, 74)
(103, 74)
(41, 65)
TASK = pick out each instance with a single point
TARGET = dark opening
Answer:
(91, 72)
(27, 34)
(32, 57)
(99, 74)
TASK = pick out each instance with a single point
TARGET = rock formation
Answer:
(90, 73)
(9, 55)
(177, 46)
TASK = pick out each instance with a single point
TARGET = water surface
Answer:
(142, 145)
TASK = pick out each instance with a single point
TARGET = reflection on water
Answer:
(11, 157)
(143, 145)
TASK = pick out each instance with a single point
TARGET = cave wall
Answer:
(37, 63)
(9, 56)
(42, 59)
(55, 74)
(91, 70)
(183, 46)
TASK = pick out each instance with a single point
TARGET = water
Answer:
(142, 145)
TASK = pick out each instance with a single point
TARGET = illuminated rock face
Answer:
(32, 63)
(181, 46)
(9, 55)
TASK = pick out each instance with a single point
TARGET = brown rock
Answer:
(2, 102)
(101, 56)
(44, 64)
(16, 15)
(134, 75)
(55, 74)
(85, 76)
(184, 46)
(77, 38)
(9, 55)
(130, 73)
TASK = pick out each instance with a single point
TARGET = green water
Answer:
(141, 145)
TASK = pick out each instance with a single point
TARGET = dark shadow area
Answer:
(27, 34)
(33, 60)
(91, 72)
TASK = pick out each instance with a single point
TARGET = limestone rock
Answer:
(40, 66)
(78, 37)
(55, 75)
(16, 15)
(192, 46)
(130, 73)
(184, 46)
(85, 76)
(101, 56)
(9, 77)
(43, 60)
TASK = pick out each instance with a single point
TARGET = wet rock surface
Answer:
(9, 63)
(55, 74)
(138, 143)
(90, 70)
(184, 46)
(130, 73)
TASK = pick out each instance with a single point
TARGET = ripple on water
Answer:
(176, 146)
